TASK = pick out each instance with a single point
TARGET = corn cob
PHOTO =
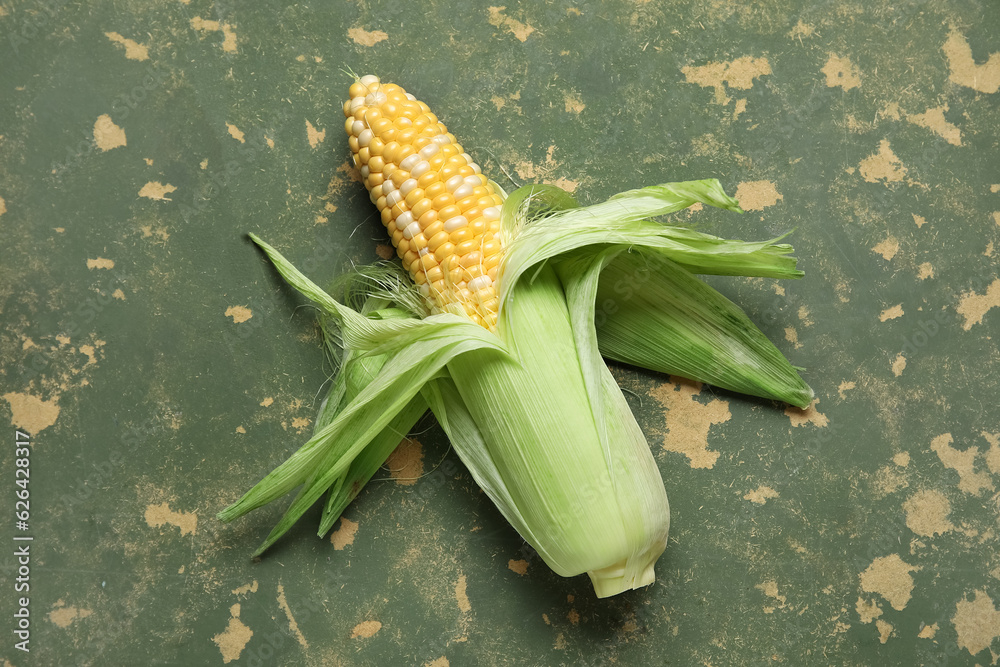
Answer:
(570, 469)
(442, 213)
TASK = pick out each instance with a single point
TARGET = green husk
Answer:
(532, 409)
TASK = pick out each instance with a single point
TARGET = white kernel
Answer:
(420, 169)
(369, 79)
(464, 191)
(425, 289)
(491, 213)
(393, 198)
(411, 97)
(441, 140)
(365, 172)
(429, 151)
(357, 103)
(375, 99)
(473, 181)
(423, 251)
(357, 128)
(455, 223)
(408, 162)
(365, 137)
(405, 219)
(454, 183)
(479, 283)
(410, 230)
(407, 186)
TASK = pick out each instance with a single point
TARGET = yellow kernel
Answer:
(399, 209)
(415, 195)
(348, 124)
(380, 126)
(391, 148)
(470, 259)
(444, 250)
(419, 242)
(347, 109)
(376, 146)
(420, 277)
(376, 164)
(390, 109)
(467, 204)
(435, 189)
(434, 274)
(357, 89)
(353, 143)
(436, 241)
(427, 178)
(406, 136)
(449, 212)
(459, 235)
(432, 228)
(375, 178)
(403, 123)
(364, 155)
(405, 151)
(386, 214)
(422, 206)
(466, 247)
(442, 200)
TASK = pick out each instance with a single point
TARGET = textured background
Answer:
(163, 368)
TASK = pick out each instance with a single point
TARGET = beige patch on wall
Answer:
(228, 34)
(234, 638)
(157, 191)
(889, 576)
(977, 622)
(314, 136)
(688, 421)
(100, 263)
(63, 615)
(30, 412)
(887, 248)
(107, 135)
(365, 37)
(162, 515)
(365, 629)
(841, 72)
(963, 462)
(973, 307)
(882, 166)
(406, 463)
(892, 313)
(898, 364)
(133, 49)
(760, 495)
(498, 19)
(240, 314)
(963, 68)
(757, 195)
(343, 537)
(461, 597)
(811, 415)
(934, 120)
(927, 513)
(738, 73)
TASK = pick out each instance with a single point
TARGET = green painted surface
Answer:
(153, 409)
